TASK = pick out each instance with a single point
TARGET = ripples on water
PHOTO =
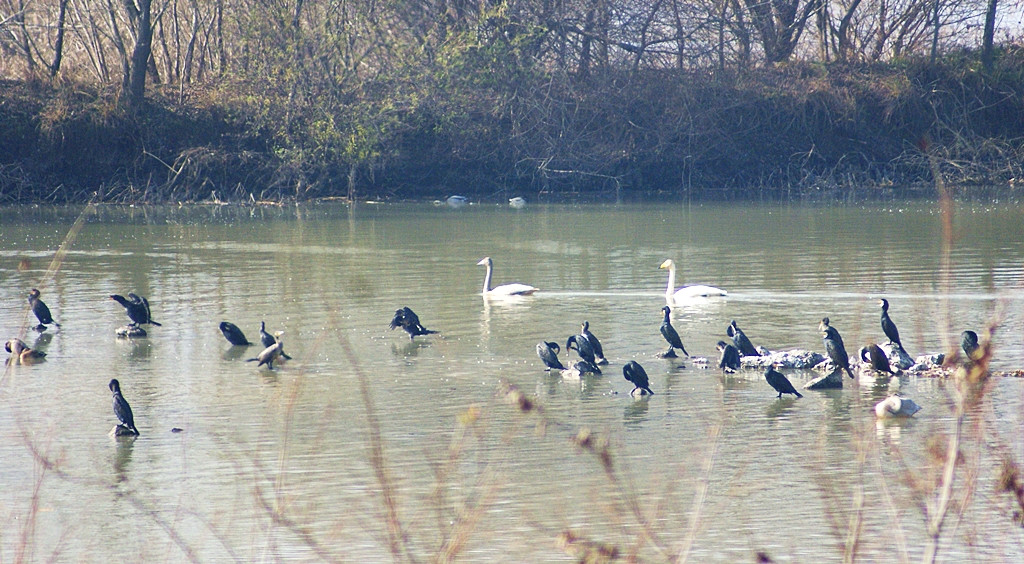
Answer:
(781, 471)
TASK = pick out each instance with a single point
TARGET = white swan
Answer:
(514, 289)
(687, 292)
(895, 406)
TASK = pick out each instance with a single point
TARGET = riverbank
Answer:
(801, 131)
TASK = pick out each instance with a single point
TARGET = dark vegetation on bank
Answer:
(797, 130)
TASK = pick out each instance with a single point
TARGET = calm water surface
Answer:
(711, 459)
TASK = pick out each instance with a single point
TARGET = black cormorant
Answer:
(410, 322)
(636, 374)
(583, 348)
(779, 381)
(268, 340)
(548, 353)
(42, 312)
(969, 342)
(729, 360)
(233, 334)
(740, 339)
(888, 327)
(835, 349)
(873, 355)
(137, 308)
(121, 408)
(270, 353)
(594, 343)
(670, 334)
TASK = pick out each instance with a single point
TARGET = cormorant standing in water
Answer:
(874, 355)
(584, 349)
(779, 381)
(42, 312)
(594, 343)
(548, 353)
(410, 322)
(121, 408)
(729, 360)
(969, 342)
(636, 374)
(137, 308)
(270, 353)
(268, 340)
(888, 327)
(836, 350)
(233, 334)
(670, 334)
(740, 339)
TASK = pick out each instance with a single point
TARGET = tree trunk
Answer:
(988, 36)
(140, 55)
(58, 45)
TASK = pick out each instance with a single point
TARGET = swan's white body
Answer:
(895, 406)
(513, 289)
(687, 292)
(517, 203)
(457, 201)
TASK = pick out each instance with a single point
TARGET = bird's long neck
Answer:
(667, 313)
(487, 278)
(671, 281)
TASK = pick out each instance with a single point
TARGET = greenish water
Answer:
(295, 440)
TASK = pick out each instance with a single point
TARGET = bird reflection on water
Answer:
(635, 411)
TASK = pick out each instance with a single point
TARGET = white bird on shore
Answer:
(687, 292)
(513, 289)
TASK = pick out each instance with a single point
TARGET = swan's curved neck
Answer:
(487, 279)
(671, 280)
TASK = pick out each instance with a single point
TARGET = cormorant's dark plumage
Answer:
(670, 334)
(121, 408)
(888, 327)
(874, 355)
(835, 349)
(137, 308)
(779, 381)
(548, 353)
(269, 354)
(42, 312)
(740, 340)
(594, 343)
(969, 343)
(636, 374)
(233, 334)
(583, 348)
(410, 322)
(729, 360)
(268, 340)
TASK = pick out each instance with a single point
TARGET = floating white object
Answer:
(457, 201)
(687, 292)
(513, 289)
(517, 203)
(895, 406)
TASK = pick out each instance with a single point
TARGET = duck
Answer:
(122, 410)
(670, 334)
(234, 335)
(584, 349)
(729, 360)
(137, 308)
(268, 340)
(41, 311)
(594, 343)
(633, 372)
(739, 338)
(410, 322)
(687, 292)
(835, 348)
(896, 406)
(888, 327)
(456, 201)
(269, 354)
(548, 353)
(780, 383)
(505, 290)
(517, 203)
(21, 353)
